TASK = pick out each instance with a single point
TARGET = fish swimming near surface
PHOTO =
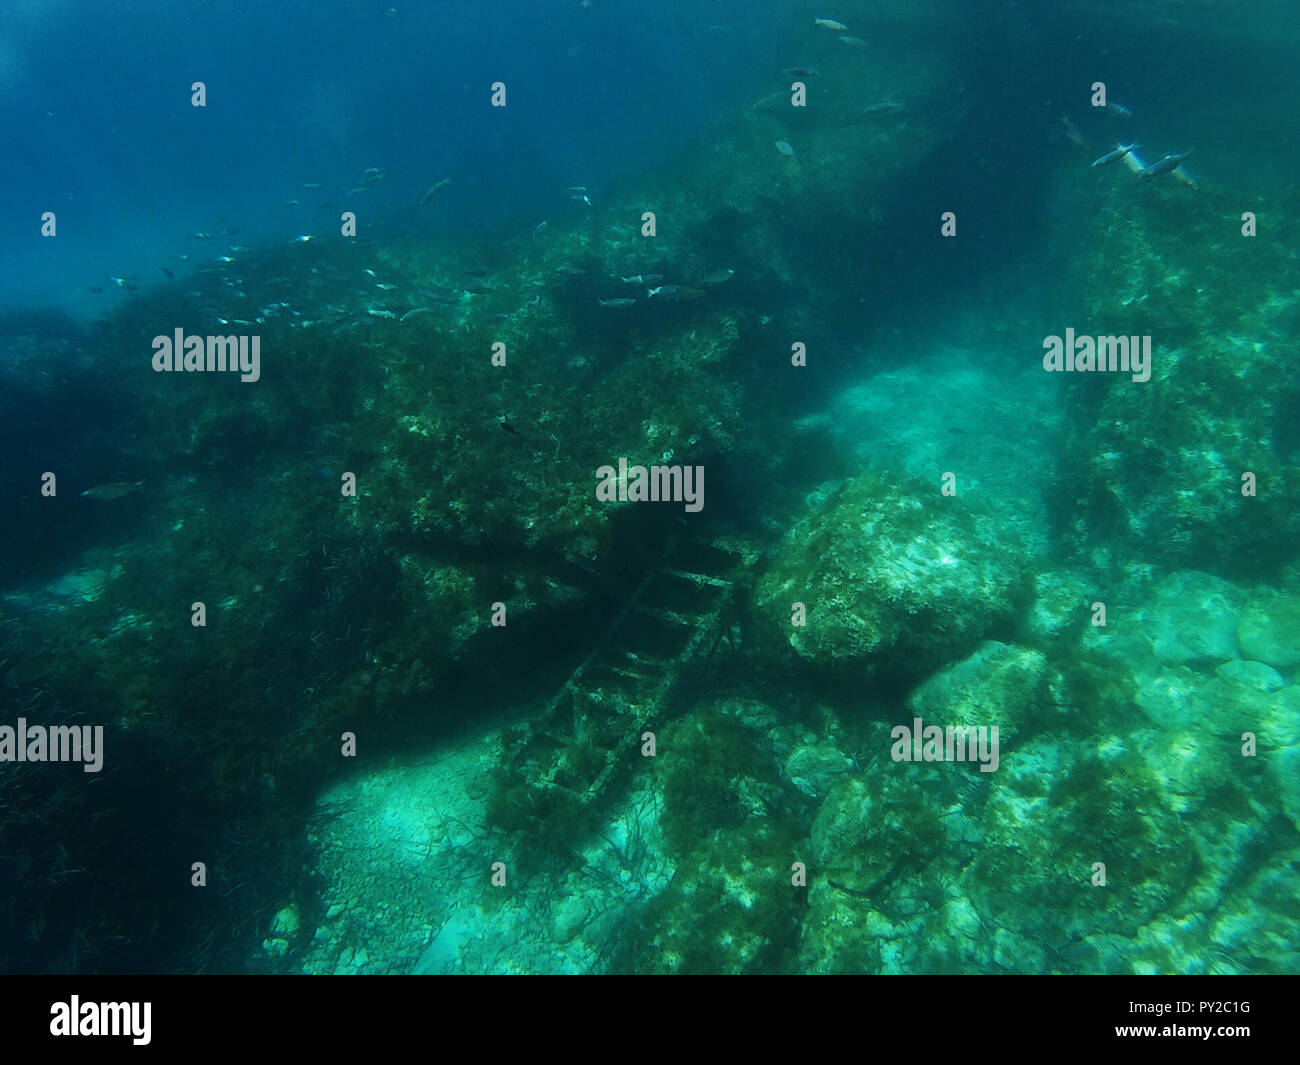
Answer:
(112, 490)
(675, 293)
(1163, 166)
(772, 100)
(1114, 156)
(1074, 135)
(433, 190)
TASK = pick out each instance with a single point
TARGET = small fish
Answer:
(302, 239)
(508, 427)
(167, 272)
(1115, 156)
(718, 277)
(784, 148)
(238, 248)
(374, 170)
(570, 271)
(1075, 137)
(312, 185)
(385, 286)
(380, 313)
(97, 291)
(1118, 109)
(772, 100)
(201, 236)
(830, 24)
(855, 42)
(580, 189)
(353, 192)
(288, 203)
(433, 190)
(1162, 166)
(675, 293)
(223, 259)
(581, 197)
(645, 280)
(884, 107)
(617, 304)
(121, 282)
(112, 490)
(538, 228)
(800, 72)
(414, 311)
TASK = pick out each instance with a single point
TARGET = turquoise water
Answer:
(647, 488)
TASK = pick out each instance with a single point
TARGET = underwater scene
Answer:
(629, 487)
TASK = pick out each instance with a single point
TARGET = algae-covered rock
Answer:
(814, 768)
(1194, 616)
(1194, 465)
(1286, 775)
(1061, 602)
(892, 575)
(998, 685)
(1269, 631)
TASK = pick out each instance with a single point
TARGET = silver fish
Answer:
(1162, 166)
(112, 490)
(1074, 136)
(1115, 156)
(675, 293)
(617, 304)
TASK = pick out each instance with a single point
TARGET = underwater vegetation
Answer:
(613, 736)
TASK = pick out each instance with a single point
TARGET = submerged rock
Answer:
(892, 576)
